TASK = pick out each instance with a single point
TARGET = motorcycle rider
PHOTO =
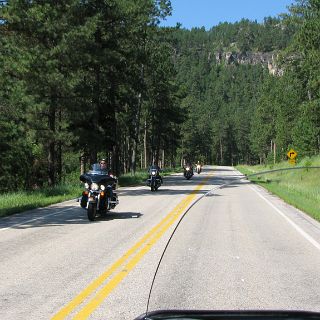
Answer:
(103, 167)
(155, 166)
(105, 171)
(198, 165)
(103, 164)
(188, 164)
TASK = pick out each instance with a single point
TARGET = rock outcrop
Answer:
(267, 59)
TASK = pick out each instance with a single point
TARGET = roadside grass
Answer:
(20, 201)
(129, 179)
(15, 202)
(300, 188)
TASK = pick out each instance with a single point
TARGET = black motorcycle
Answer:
(99, 195)
(188, 172)
(154, 181)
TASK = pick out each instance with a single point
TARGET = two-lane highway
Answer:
(238, 248)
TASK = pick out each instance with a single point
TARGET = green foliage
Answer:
(247, 113)
(99, 78)
(72, 81)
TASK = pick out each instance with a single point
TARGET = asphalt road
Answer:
(238, 248)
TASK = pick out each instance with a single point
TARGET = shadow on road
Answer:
(119, 215)
(67, 216)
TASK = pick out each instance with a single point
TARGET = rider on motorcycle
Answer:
(154, 166)
(188, 165)
(105, 171)
(198, 167)
(103, 167)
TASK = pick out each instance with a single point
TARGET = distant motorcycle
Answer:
(99, 195)
(154, 181)
(198, 169)
(188, 172)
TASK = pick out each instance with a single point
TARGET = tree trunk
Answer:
(59, 151)
(137, 126)
(51, 151)
(115, 160)
(82, 162)
(133, 157)
(157, 154)
(162, 158)
(221, 152)
(145, 144)
(129, 152)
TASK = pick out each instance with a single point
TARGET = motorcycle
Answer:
(99, 195)
(188, 172)
(198, 169)
(154, 181)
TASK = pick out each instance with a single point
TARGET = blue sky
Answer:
(208, 13)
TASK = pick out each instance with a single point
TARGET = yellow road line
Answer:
(159, 230)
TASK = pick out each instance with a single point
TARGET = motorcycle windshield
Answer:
(97, 175)
(96, 170)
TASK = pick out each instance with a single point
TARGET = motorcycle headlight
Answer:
(86, 185)
(187, 168)
(102, 187)
(153, 173)
(94, 187)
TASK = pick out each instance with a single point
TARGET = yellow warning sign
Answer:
(292, 154)
(292, 161)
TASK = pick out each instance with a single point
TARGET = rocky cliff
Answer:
(267, 59)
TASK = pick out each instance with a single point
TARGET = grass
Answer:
(300, 188)
(25, 200)
(129, 179)
(15, 202)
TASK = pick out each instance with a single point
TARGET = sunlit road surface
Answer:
(239, 248)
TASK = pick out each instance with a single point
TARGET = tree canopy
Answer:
(87, 79)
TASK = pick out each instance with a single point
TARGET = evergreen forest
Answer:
(84, 80)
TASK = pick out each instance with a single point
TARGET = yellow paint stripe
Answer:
(112, 284)
(96, 283)
(65, 311)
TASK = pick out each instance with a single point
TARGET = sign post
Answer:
(292, 155)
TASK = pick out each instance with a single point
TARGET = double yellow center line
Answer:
(124, 265)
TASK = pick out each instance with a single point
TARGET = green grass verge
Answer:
(300, 188)
(20, 201)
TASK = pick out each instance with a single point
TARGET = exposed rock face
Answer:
(267, 59)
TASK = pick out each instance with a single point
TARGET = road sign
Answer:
(292, 154)
(292, 161)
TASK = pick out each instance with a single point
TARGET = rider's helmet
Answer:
(103, 164)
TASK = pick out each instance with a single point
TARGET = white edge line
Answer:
(47, 215)
(295, 226)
